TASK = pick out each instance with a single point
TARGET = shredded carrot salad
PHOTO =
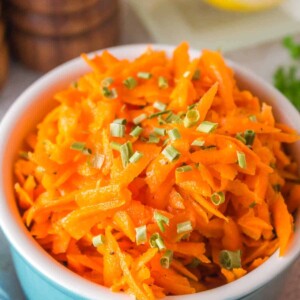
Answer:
(159, 176)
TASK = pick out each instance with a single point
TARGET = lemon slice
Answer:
(244, 5)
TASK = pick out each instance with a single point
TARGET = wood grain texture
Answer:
(54, 6)
(44, 53)
(4, 63)
(62, 24)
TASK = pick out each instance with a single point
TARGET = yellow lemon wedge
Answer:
(244, 5)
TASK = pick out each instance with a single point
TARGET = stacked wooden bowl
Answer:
(4, 61)
(45, 33)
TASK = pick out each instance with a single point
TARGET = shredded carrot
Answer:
(146, 171)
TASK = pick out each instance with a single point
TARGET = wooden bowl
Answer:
(44, 53)
(62, 24)
(4, 57)
(54, 6)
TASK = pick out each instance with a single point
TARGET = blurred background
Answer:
(37, 35)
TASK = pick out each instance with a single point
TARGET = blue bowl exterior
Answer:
(35, 285)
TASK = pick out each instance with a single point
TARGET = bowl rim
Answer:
(48, 267)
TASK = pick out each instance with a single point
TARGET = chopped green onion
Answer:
(184, 227)
(191, 106)
(87, 151)
(249, 137)
(24, 154)
(191, 118)
(117, 130)
(172, 118)
(207, 127)
(253, 118)
(136, 156)
(159, 105)
(139, 119)
(199, 143)
(217, 198)
(115, 145)
(194, 263)
(144, 75)
(166, 141)
(156, 241)
(166, 259)
(136, 131)
(184, 169)
(130, 83)
(241, 159)
(171, 153)
(141, 235)
(196, 75)
(161, 121)
(106, 82)
(277, 188)
(98, 161)
(126, 153)
(98, 240)
(160, 131)
(120, 121)
(153, 139)
(160, 113)
(112, 94)
(230, 259)
(161, 220)
(162, 82)
(253, 204)
(239, 137)
(174, 134)
(186, 74)
(78, 146)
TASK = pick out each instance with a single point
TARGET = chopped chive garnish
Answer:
(136, 131)
(230, 259)
(191, 118)
(253, 204)
(241, 159)
(78, 146)
(144, 75)
(218, 198)
(87, 151)
(141, 235)
(253, 118)
(159, 105)
(98, 240)
(136, 156)
(186, 74)
(184, 169)
(130, 83)
(112, 94)
(199, 143)
(126, 153)
(156, 241)
(160, 131)
(115, 145)
(117, 130)
(120, 121)
(153, 139)
(106, 82)
(174, 134)
(207, 127)
(249, 137)
(98, 161)
(194, 263)
(166, 259)
(171, 153)
(196, 75)
(160, 113)
(184, 227)
(161, 220)
(239, 137)
(172, 118)
(139, 119)
(162, 82)
(191, 106)
(161, 121)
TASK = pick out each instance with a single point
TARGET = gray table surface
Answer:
(262, 59)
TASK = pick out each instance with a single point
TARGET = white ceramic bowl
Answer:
(44, 278)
